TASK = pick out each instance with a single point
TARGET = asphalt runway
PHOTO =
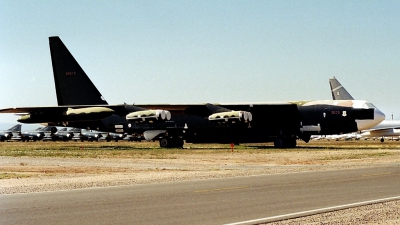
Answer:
(213, 201)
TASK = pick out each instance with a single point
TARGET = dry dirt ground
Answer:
(23, 173)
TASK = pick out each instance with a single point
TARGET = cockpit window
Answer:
(370, 105)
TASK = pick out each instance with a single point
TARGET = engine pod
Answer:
(149, 115)
(233, 115)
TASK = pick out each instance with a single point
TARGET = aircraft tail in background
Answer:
(73, 86)
(16, 128)
(338, 91)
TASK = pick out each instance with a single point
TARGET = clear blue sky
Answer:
(204, 51)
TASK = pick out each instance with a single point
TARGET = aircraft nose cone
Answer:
(378, 116)
(368, 124)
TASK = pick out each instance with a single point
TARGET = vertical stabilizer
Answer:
(75, 130)
(338, 91)
(16, 128)
(73, 86)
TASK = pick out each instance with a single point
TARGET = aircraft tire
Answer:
(382, 140)
(285, 142)
(179, 143)
(279, 143)
(290, 142)
(164, 143)
(171, 143)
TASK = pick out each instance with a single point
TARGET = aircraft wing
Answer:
(383, 132)
(62, 113)
(59, 109)
(95, 112)
(31, 109)
(386, 124)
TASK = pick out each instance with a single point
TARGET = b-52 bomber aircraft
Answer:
(81, 105)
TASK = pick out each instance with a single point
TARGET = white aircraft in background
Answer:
(337, 137)
(387, 128)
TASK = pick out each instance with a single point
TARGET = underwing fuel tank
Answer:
(149, 116)
(231, 116)
(89, 113)
(80, 114)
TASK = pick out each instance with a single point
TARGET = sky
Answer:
(214, 51)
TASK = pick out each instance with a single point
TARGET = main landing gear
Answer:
(289, 142)
(166, 142)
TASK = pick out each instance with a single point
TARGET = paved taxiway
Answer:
(214, 201)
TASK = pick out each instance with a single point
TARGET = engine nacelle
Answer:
(149, 115)
(232, 116)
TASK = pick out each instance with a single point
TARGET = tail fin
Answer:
(338, 91)
(51, 129)
(73, 86)
(75, 130)
(16, 128)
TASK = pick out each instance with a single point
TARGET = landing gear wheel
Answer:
(285, 142)
(291, 142)
(171, 143)
(382, 139)
(179, 143)
(278, 143)
(164, 143)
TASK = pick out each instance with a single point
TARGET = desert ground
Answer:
(50, 166)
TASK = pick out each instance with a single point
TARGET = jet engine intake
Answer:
(232, 116)
(149, 115)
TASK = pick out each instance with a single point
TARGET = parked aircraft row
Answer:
(81, 105)
(51, 133)
(15, 133)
